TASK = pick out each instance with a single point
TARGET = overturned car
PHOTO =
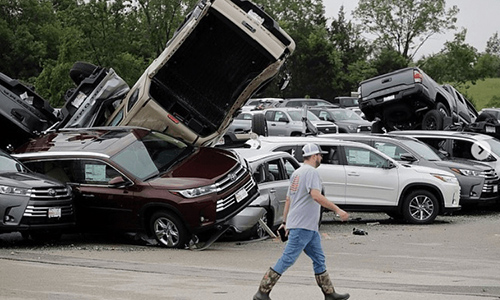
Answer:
(223, 53)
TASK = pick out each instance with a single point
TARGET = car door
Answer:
(99, 205)
(368, 182)
(279, 186)
(278, 124)
(333, 175)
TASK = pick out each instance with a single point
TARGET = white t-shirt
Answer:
(304, 212)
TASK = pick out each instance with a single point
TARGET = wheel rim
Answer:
(421, 207)
(261, 232)
(166, 232)
(431, 123)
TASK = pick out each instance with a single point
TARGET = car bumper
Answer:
(246, 219)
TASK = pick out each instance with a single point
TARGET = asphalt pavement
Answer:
(454, 258)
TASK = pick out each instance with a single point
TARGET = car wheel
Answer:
(168, 230)
(259, 125)
(420, 207)
(80, 71)
(433, 120)
(442, 109)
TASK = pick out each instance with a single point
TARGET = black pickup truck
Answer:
(410, 99)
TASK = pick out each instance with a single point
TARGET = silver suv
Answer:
(292, 122)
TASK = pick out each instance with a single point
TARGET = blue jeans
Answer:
(302, 240)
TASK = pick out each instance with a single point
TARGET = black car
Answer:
(31, 203)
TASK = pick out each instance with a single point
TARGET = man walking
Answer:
(301, 221)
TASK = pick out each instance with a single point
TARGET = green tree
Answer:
(493, 45)
(455, 63)
(312, 65)
(405, 25)
(353, 51)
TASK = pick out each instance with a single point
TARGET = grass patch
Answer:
(485, 93)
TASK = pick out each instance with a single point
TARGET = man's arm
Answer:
(323, 201)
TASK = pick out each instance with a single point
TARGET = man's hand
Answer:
(344, 216)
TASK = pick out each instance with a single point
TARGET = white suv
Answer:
(358, 177)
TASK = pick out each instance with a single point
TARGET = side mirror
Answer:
(389, 165)
(407, 157)
(118, 181)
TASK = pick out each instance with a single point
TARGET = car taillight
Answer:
(417, 76)
(174, 119)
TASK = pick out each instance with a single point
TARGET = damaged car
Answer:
(135, 180)
(222, 54)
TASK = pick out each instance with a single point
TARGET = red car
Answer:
(130, 179)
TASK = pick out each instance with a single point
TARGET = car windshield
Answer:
(8, 164)
(243, 116)
(345, 114)
(495, 145)
(151, 155)
(297, 116)
(422, 149)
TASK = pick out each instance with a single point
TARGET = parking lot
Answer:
(454, 258)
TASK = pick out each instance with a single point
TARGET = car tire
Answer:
(259, 124)
(420, 207)
(442, 109)
(80, 71)
(168, 230)
(433, 120)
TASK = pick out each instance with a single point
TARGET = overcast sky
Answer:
(480, 17)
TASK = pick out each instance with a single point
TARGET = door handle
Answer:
(88, 195)
(353, 174)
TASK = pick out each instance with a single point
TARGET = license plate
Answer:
(55, 212)
(391, 97)
(490, 129)
(495, 188)
(240, 195)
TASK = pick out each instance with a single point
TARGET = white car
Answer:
(358, 177)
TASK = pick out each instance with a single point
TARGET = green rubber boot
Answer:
(266, 285)
(324, 282)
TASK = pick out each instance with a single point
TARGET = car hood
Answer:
(354, 122)
(463, 164)
(429, 170)
(27, 180)
(204, 167)
(322, 123)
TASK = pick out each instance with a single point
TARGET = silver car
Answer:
(271, 171)
(286, 121)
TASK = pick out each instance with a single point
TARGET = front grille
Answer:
(230, 180)
(43, 200)
(229, 204)
(50, 193)
(43, 211)
(327, 129)
(491, 180)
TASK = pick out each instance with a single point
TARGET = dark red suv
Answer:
(130, 179)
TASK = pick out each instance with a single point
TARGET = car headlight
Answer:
(465, 172)
(198, 191)
(16, 191)
(446, 178)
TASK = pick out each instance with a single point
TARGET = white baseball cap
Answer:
(310, 149)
